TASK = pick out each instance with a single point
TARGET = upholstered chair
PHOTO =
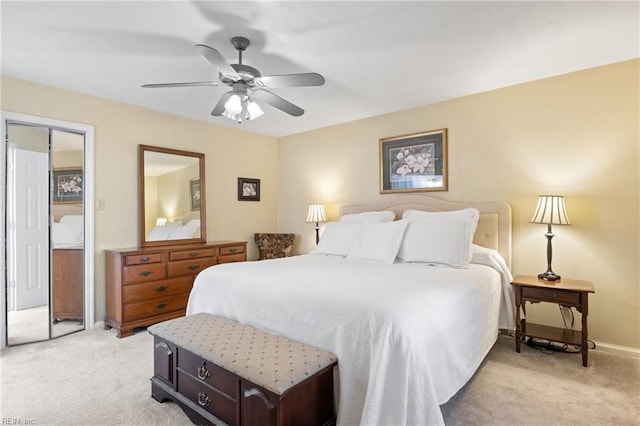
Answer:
(272, 246)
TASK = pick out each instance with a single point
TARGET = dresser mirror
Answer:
(172, 196)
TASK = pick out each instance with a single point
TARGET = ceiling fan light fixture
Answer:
(253, 110)
(233, 105)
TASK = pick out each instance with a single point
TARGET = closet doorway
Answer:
(48, 229)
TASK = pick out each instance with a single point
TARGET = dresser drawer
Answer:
(206, 397)
(241, 257)
(141, 259)
(145, 291)
(232, 249)
(150, 308)
(189, 267)
(143, 273)
(551, 295)
(209, 373)
(191, 254)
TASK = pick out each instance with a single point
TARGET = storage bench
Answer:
(222, 372)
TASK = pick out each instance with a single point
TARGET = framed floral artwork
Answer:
(194, 186)
(248, 189)
(68, 185)
(415, 162)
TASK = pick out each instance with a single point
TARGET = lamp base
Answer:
(549, 276)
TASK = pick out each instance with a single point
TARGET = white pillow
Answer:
(439, 237)
(67, 233)
(72, 218)
(337, 238)
(185, 231)
(384, 216)
(378, 241)
(160, 233)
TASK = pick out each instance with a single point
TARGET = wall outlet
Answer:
(100, 204)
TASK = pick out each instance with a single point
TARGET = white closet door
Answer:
(31, 229)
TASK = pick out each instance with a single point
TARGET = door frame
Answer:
(89, 243)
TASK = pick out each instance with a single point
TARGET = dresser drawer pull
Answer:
(161, 288)
(146, 273)
(145, 259)
(233, 250)
(203, 373)
(256, 392)
(203, 398)
(549, 295)
(193, 254)
(161, 305)
(194, 267)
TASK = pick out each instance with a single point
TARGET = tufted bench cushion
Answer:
(273, 362)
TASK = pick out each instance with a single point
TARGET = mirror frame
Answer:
(203, 204)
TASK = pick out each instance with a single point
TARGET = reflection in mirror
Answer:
(44, 262)
(172, 202)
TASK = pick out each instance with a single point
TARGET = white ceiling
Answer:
(377, 57)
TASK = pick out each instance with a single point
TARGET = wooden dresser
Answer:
(149, 285)
(67, 289)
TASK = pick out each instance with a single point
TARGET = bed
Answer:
(67, 242)
(408, 334)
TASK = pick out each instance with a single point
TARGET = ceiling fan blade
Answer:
(190, 84)
(218, 61)
(290, 80)
(219, 108)
(276, 101)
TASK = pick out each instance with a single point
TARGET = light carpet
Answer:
(94, 378)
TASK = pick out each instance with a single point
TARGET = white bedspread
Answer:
(407, 336)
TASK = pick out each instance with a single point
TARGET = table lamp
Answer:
(316, 214)
(550, 211)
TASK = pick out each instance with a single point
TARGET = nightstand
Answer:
(565, 292)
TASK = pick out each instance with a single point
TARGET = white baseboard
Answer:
(618, 349)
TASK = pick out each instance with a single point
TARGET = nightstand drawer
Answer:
(551, 295)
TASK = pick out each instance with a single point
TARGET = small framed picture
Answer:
(194, 185)
(415, 162)
(248, 189)
(68, 185)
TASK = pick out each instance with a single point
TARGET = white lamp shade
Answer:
(316, 213)
(233, 105)
(551, 210)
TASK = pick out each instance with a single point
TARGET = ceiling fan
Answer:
(247, 85)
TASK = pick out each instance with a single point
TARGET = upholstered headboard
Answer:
(494, 226)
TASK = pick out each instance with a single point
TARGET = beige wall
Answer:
(576, 135)
(119, 128)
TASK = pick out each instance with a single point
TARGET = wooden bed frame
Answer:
(494, 226)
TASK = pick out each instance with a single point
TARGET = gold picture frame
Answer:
(414, 163)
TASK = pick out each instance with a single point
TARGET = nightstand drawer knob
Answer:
(203, 399)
